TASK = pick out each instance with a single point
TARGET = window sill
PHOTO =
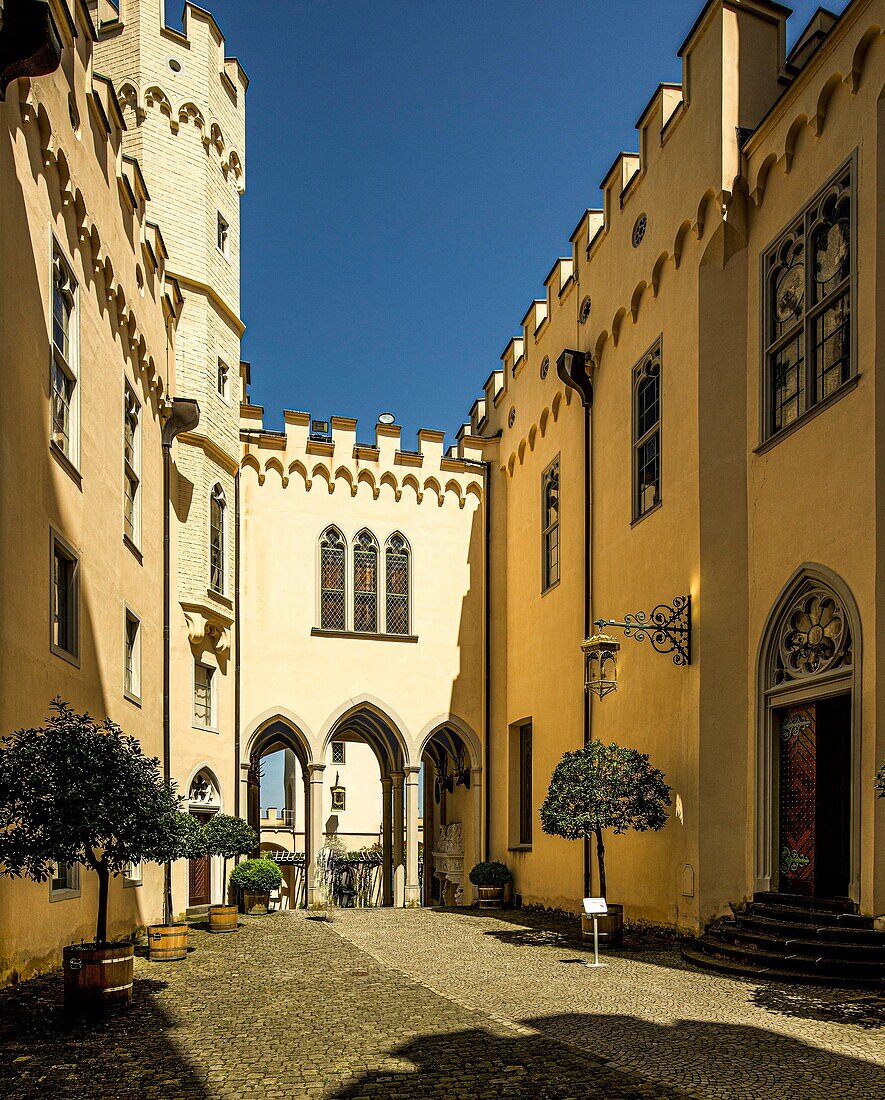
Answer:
(204, 729)
(809, 414)
(63, 895)
(131, 883)
(319, 632)
(127, 541)
(135, 700)
(645, 515)
(520, 848)
(549, 588)
(71, 658)
(225, 601)
(66, 464)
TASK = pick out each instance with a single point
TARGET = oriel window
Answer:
(396, 561)
(365, 583)
(647, 432)
(64, 397)
(550, 526)
(333, 602)
(809, 288)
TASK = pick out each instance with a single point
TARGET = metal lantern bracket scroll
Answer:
(600, 664)
(668, 628)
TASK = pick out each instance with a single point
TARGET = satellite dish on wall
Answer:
(387, 418)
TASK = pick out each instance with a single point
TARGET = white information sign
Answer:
(595, 907)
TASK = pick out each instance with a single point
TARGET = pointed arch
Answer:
(274, 463)
(345, 475)
(858, 61)
(412, 482)
(636, 299)
(250, 462)
(679, 242)
(823, 102)
(298, 467)
(810, 650)
(389, 479)
(542, 421)
(657, 273)
(377, 723)
(366, 477)
(432, 484)
(792, 139)
(321, 472)
(757, 187)
(617, 320)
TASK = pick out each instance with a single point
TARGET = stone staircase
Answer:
(789, 938)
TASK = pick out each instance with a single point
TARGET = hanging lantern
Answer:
(600, 664)
(338, 795)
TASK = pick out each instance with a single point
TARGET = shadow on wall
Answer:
(130, 1054)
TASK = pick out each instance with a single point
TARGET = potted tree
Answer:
(490, 879)
(254, 879)
(227, 837)
(602, 787)
(76, 791)
(186, 838)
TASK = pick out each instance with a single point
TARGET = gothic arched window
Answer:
(396, 562)
(365, 583)
(217, 539)
(333, 603)
(647, 432)
(550, 526)
(808, 291)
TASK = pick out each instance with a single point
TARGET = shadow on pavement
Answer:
(44, 1051)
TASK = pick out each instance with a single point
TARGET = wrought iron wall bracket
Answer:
(668, 628)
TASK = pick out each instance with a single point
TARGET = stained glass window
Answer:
(333, 614)
(397, 580)
(365, 584)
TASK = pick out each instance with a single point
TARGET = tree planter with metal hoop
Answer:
(491, 880)
(253, 880)
(167, 942)
(98, 977)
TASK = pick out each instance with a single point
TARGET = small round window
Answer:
(585, 311)
(545, 367)
(174, 65)
(639, 230)
(511, 419)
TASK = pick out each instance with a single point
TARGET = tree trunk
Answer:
(600, 859)
(224, 893)
(101, 926)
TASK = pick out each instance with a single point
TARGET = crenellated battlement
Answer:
(337, 462)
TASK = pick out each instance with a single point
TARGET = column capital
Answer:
(316, 769)
(386, 782)
(476, 770)
(412, 769)
(397, 777)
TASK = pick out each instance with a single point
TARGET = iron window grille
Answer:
(396, 559)
(338, 752)
(217, 510)
(550, 526)
(808, 278)
(525, 783)
(64, 358)
(365, 584)
(647, 432)
(65, 599)
(203, 676)
(333, 611)
(131, 463)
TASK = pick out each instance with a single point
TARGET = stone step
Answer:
(779, 940)
(803, 915)
(750, 969)
(799, 901)
(840, 969)
(825, 933)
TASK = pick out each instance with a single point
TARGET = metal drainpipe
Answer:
(488, 657)
(237, 644)
(588, 596)
(184, 415)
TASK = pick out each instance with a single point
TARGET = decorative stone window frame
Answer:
(650, 365)
(801, 228)
(548, 580)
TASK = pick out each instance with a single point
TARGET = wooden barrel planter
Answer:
(256, 904)
(611, 926)
(222, 918)
(490, 897)
(167, 942)
(98, 979)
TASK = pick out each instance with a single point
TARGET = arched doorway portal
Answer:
(808, 741)
(452, 812)
(203, 800)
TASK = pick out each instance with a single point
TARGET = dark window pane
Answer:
(525, 784)
(788, 383)
(831, 348)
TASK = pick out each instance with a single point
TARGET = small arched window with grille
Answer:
(550, 526)
(365, 583)
(217, 536)
(333, 603)
(647, 432)
(396, 563)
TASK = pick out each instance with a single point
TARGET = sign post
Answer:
(595, 907)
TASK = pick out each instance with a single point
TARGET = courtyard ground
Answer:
(425, 1003)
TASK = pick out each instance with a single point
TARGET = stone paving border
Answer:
(649, 1012)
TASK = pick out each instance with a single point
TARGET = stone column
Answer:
(386, 843)
(313, 820)
(399, 871)
(476, 856)
(412, 891)
(305, 778)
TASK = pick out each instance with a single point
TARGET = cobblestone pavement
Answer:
(288, 1008)
(648, 1012)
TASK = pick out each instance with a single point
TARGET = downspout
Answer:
(488, 657)
(575, 368)
(181, 415)
(237, 645)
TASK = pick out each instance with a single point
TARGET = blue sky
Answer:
(413, 170)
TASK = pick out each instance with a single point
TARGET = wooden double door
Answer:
(814, 797)
(200, 874)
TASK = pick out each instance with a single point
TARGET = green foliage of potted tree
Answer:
(186, 838)
(490, 879)
(602, 787)
(254, 879)
(228, 837)
(76, 791)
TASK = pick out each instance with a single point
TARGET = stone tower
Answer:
(184, 106)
